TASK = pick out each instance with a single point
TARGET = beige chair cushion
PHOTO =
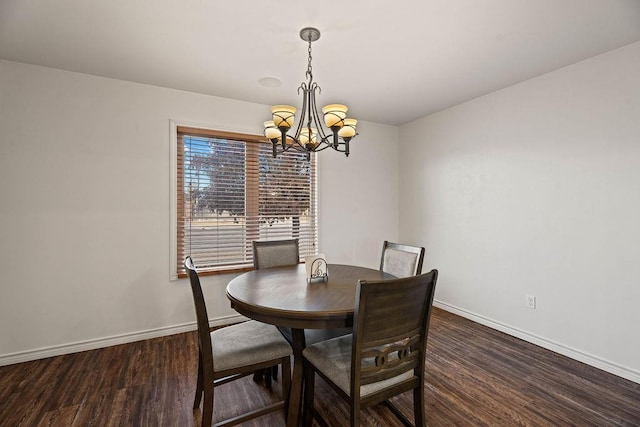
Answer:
(247, 343)
(400, 263)
(333, 359)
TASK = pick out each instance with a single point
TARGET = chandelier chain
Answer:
(309, 72)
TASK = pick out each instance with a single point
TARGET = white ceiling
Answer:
(389, 62)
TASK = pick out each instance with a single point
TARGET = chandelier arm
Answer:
(314, 112)
(328, 140)
(298, 147)
(283, 137)
(310, 104)
(303, 113)
(295, 147)
(322, 147)
(339, 150)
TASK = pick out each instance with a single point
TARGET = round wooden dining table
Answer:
(282, 296)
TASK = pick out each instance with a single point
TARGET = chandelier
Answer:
(310, 135)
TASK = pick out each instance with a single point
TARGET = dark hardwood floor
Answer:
(476, 376)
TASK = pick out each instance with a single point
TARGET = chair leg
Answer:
(207, 407)
(286, 381)
(274, 372)
(309, 386)
(355, 412)
(267, 378)
(418, 405)
(266, 375)
(198, 397)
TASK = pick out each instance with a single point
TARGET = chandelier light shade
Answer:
(283, 115)
(310, 135)
(348, 130)
(334, 115)
(271, 131)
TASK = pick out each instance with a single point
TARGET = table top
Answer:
(282, 296)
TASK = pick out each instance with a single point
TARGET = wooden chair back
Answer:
(202, 318)
(391, 324)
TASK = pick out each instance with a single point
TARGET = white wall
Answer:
(359, 198)
(85, 207)
(535, 189)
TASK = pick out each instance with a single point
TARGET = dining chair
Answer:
(401, 260)
(232, 352)
(384, 356)
(397, 259)
(275, 253)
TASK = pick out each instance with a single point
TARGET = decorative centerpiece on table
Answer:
(316, 266)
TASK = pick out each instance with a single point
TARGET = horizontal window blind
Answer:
(232, 191)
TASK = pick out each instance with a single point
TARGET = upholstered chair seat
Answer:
(247, 343)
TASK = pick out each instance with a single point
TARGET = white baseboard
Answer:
(564, 350)
(59, 350)
(26, 356)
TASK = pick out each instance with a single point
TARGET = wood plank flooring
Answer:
(476, 376)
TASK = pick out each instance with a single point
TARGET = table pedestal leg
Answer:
(295, 397)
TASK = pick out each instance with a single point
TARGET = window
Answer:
(230, 191)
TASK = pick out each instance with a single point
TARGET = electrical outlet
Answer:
(530, 301)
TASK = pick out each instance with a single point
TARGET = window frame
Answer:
(231, 134)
